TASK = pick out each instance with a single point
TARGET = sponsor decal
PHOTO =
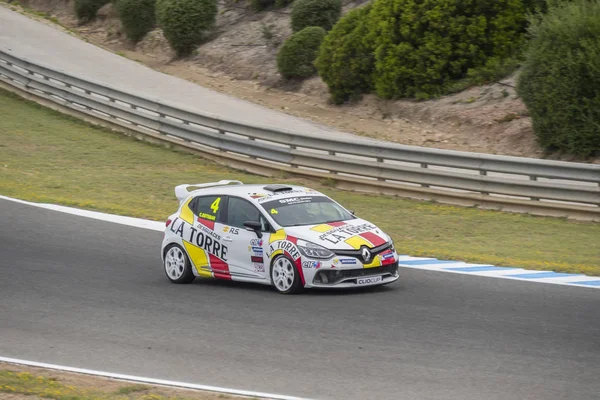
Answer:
(296, 200)
(256, 242)
(369, 280)
(286, 246)
(344, 232)
(257, 250)
(232, 230)
(207, 216)
(199, 238)
(209, 231)
(387, 256)
(347, 261)
(259, 267)
(287, 192)
(257, 259)
(311, 264)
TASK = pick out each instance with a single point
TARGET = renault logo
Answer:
(366, 254)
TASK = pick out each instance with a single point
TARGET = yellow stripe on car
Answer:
(279, 235)
(322, 228)
(375, 263)
(199, 259)
(357, 241)
(186, 213)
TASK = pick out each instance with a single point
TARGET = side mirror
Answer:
(351, 212)
(254, 226)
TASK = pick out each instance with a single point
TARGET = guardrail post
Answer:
(424, 165)
(484, 173)
(293, 147)
(251, 138)
(332, 153)
(380, 160)
(533, 178)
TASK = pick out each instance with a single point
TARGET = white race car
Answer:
(290, 237)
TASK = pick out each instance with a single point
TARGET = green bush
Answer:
(560, 78)
(138, 17)
(297, 55)
(185, 21)
(260, 5)
(86, 9)
(421, 47)
(345, 62)
(323, 13)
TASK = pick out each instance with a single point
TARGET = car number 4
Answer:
(369, 280)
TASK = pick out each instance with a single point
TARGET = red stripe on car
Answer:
(373, 238)
(220, 268)
(336, 224)
(207, 223)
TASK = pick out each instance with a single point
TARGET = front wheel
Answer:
(284, 276)
(177, 265)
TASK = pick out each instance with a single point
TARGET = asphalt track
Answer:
(92, 294)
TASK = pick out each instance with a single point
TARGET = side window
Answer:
(208, 207)
(240, 211)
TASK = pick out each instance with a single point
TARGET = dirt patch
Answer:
(238, 58)
(112, 388)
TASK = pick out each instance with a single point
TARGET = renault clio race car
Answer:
(290, 237)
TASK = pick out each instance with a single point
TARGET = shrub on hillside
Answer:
(345, 62)
(323, 13)
(423, 46)
(297, 55)
(185, 21)
(138, 17)
(560, 79)
(86, 10)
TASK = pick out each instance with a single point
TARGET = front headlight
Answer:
(313, 250)
(391, 242)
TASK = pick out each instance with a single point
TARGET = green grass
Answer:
(48, 387)
(132, 389)
(47, 157)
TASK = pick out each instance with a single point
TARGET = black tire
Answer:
(177, 265)
(280, 264)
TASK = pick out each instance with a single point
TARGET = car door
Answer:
(207, 249)
(246, 255)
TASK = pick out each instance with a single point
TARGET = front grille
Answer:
(357, 253)
(334, 276)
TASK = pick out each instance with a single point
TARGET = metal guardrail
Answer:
(513, 183)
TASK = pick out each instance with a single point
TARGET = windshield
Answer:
(306, 210)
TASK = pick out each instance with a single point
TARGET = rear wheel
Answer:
(284, 276)
(177, 265)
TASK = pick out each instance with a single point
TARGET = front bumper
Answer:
(345, 278)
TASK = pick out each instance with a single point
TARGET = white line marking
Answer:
(504, 274)
(151, 381)
(118, 219)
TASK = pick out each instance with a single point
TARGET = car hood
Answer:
(346, 235)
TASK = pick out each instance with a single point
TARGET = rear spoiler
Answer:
(181, 191)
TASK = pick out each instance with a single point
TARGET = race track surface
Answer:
(92, 294)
